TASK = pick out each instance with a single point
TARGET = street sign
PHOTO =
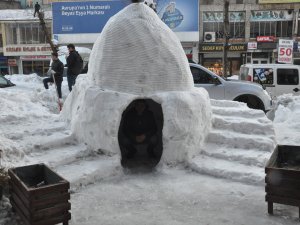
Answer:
(285, 51)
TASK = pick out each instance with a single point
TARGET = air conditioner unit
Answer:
(209, 36)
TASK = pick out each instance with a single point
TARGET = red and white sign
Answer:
(285, 51)
(265, 38)
(252, 45)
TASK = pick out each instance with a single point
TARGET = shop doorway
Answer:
(142, 154)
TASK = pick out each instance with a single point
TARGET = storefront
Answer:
(211, 57)
(38, 64)
(28, 59)
(262, 51)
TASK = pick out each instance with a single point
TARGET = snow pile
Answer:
(151, 64)
(23, 104)
(286, 121)
(21, 14)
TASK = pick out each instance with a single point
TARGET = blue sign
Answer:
(83, 17)
(179, 15)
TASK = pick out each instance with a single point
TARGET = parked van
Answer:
(278, 79)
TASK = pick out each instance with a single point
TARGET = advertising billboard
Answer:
(179, 15)
(277, 1)
(83, 17)
(90, 17)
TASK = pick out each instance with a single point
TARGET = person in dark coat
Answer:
(37, 8)
(72, 65)
(57, 70)
(139, 128)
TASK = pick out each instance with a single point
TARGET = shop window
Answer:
(287, 77)
(38, 67)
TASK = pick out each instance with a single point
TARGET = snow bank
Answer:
(23, 104)
(138, 56)
(286, 121)
(21, 14)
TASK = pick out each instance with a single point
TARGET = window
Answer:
(278, 23)
(263, 75)
(29, 33)
(287, 77)
(201, 77)
(213, 22)
(38, 67)
(11, 34)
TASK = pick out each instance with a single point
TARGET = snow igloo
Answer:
(138, 57)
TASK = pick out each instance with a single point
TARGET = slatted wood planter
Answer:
(39, 195)
(283, 177)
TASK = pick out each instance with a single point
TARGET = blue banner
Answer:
(179, 15)
(83, 17)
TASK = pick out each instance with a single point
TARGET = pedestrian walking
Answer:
(74, 64)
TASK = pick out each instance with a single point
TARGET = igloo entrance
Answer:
(140, 134)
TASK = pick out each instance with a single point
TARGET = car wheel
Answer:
(252, 101)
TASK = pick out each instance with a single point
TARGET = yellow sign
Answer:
(278, 1)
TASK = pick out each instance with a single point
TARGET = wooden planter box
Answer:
(39, 195)
(283, 177)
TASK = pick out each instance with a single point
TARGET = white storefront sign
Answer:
(25, 50)
(285, 51)
(252, 45)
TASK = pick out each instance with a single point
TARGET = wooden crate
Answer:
(283, 177)
(39, 195)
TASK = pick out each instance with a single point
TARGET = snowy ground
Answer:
(223, 185)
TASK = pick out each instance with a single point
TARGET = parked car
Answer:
(218, 88)
(5, 82)
(278, 79)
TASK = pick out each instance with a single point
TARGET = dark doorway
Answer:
(140, 134)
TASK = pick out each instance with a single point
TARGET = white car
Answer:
(218, 88)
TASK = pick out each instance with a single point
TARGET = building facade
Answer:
(255, 28)
(24, 47)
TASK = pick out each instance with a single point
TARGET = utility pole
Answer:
(225, 37)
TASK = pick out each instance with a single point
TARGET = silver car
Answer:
(218, 88)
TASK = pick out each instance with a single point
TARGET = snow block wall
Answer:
(138, 57)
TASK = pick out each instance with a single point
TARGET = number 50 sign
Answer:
(285, 51)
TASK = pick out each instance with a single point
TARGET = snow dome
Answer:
(138, 57)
